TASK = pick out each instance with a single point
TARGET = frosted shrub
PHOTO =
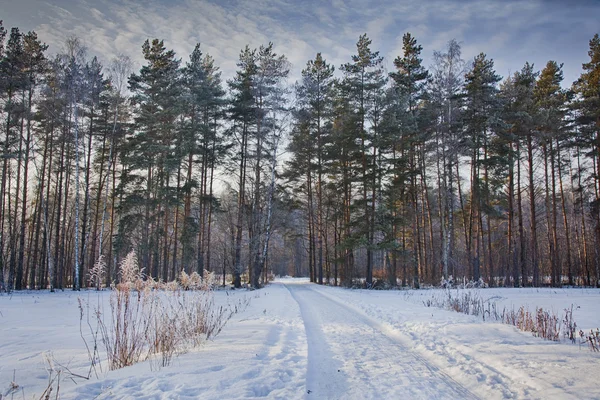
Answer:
(153, 284)
(195, 280)
(163, 338)
(97, 273)
(476, 284)
(209, 281)
(524, 320)
(467, 302)
(447, 283)
(172, 286)
(125, 332)
(131, 274)
(471, 284)
(184, 279)
(156, 319)
(200, 318)
(192, 281)
(542, 323)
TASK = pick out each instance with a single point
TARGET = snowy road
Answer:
(351, 356)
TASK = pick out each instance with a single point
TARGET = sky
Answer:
(510, 32)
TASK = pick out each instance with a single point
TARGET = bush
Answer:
(544, 324)
(97, 272)
(145, 321)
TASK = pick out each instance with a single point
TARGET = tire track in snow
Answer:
(351, 355)
(322, 376)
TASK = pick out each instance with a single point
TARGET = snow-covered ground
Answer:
(298, 340)
(585, 302)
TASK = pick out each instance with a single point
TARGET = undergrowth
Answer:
(154, 320)
(541, 323)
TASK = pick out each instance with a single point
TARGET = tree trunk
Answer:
(512, 247)
(25, 189)
(15, 272)
(524, 279)
(237, 281)
(565, 218)
(551, 216)
(534, 257)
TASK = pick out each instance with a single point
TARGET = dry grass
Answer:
(155, 320)
(125, 332)
(97, 273)
(541, 323)
(12, 388)
(592, 339)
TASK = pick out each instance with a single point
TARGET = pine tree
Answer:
(587, 88)
(395, 183)
(364, 80)
(203, 103)
(151, 157)
(550, 101)
(34, 64)
(410, 79)
(480, 119)
(242, 115)
(312, 122)
(13, 80)
(344, 163)
(299, 171)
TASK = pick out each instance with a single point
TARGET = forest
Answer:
(353, 175)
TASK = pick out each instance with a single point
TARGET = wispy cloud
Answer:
(511, 32)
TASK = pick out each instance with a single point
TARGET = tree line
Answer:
(407, 177)
(449, 173)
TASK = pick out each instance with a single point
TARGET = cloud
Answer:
(511, 32)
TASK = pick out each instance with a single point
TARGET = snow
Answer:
(298, 340)
(491, 360)
(585, 301)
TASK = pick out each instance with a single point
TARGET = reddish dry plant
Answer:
(592, 339)
(542, 323)
(547, 325)
(155, 319)
(569, 325)
(124, 334)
